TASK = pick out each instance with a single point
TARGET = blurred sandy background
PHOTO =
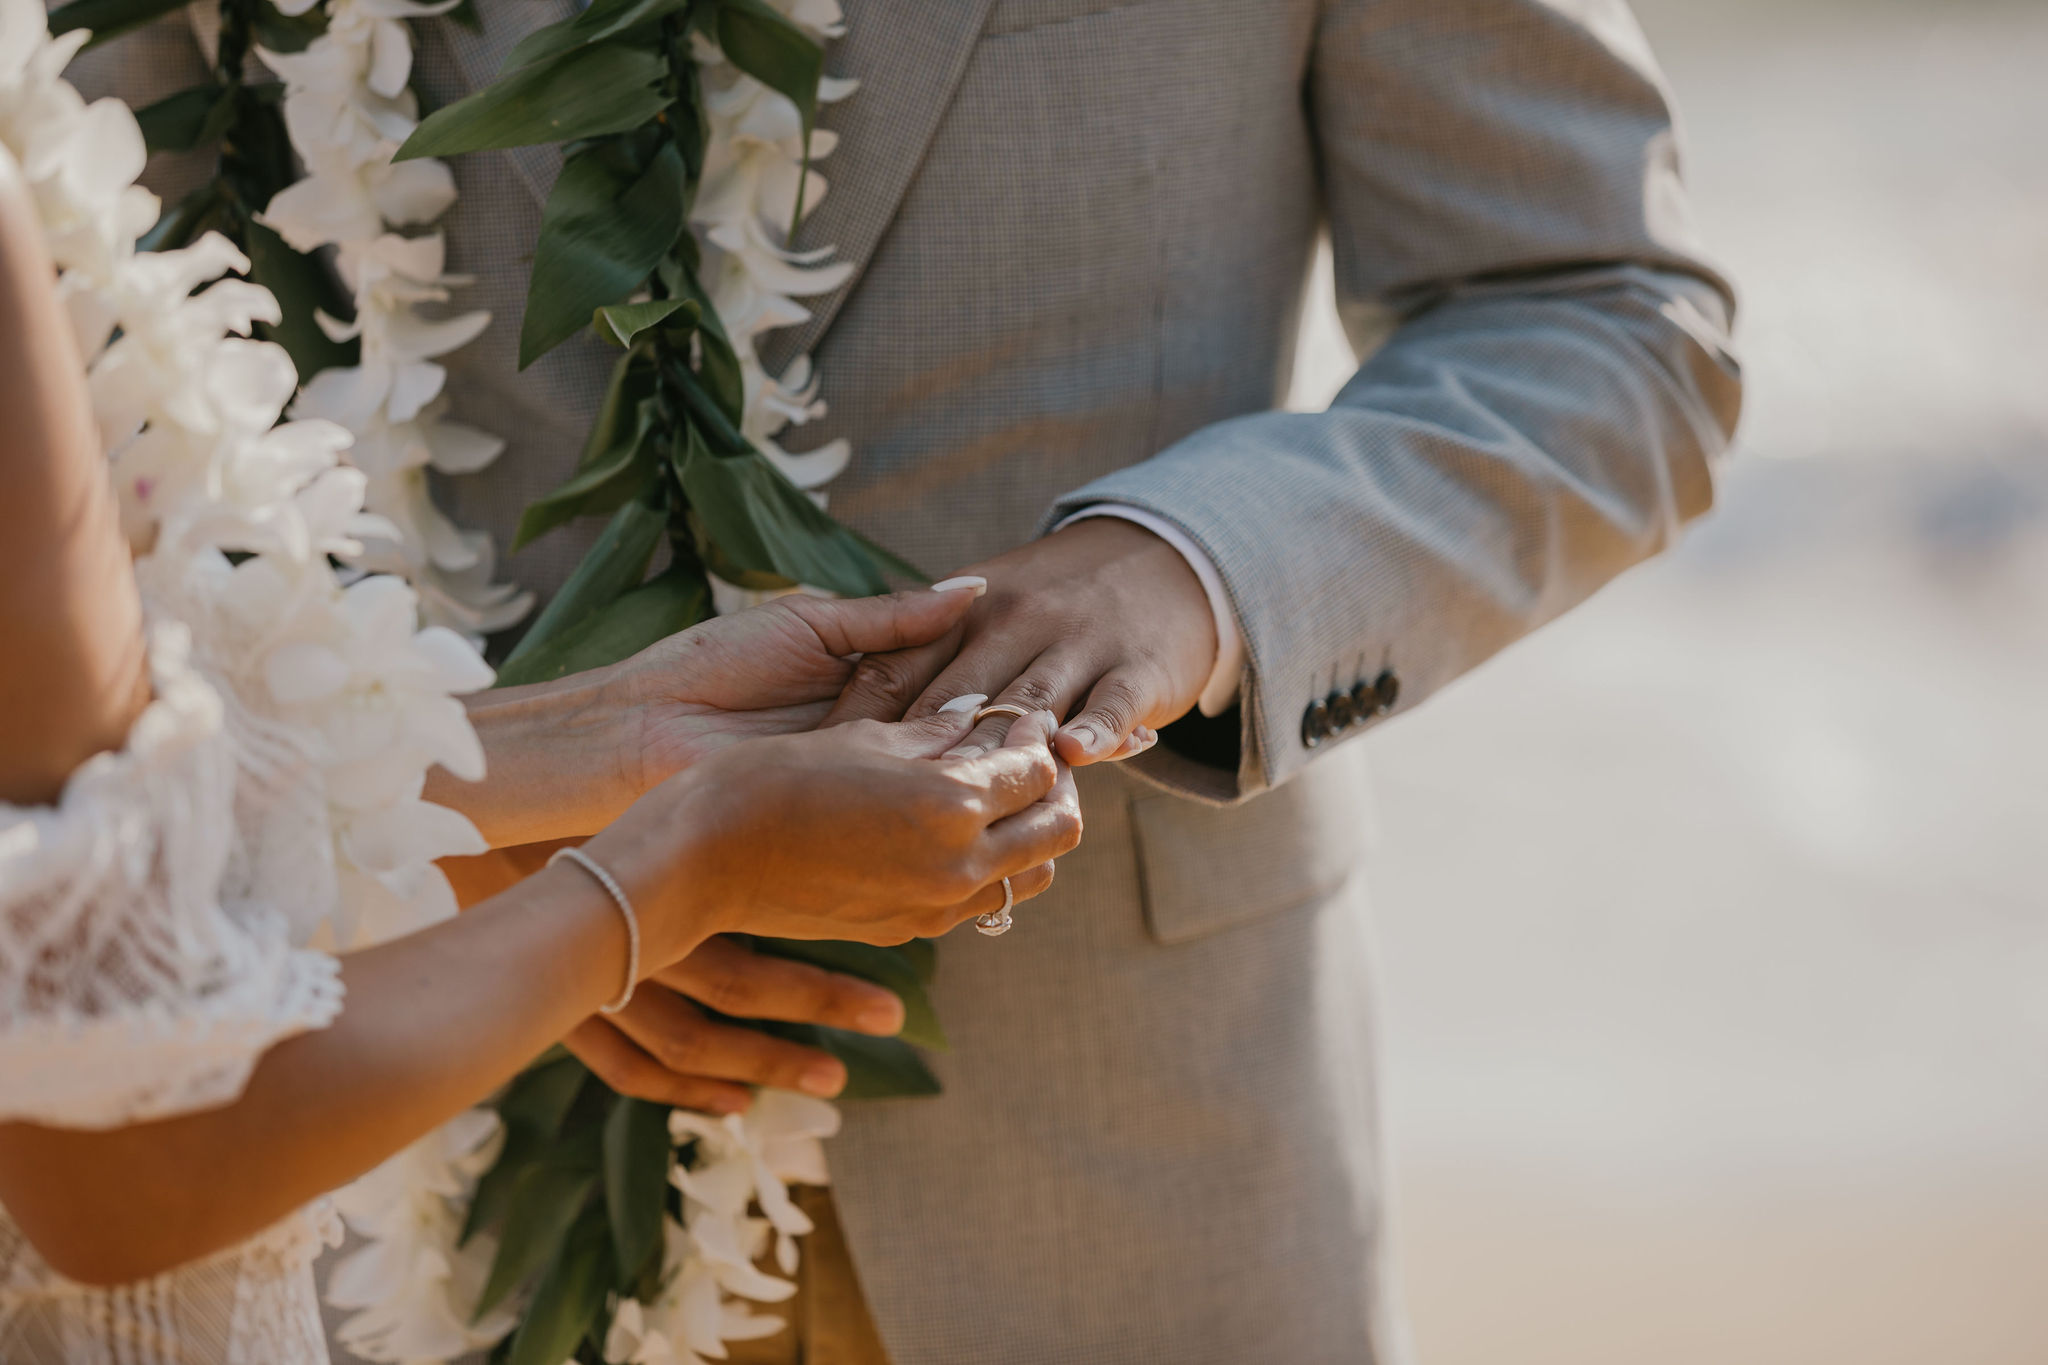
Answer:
(1714, 919)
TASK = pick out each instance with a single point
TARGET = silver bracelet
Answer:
(618, 895)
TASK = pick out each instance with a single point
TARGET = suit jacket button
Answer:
(1315, 724)
(1342, 716)
(1387, 688)
(1365, 701)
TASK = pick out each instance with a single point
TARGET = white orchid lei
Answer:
(418, 1280)
(234, 517)
(348, 104)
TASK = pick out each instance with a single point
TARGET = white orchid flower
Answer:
(347, 107)
(414, 1286)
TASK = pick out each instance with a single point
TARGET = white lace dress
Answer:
(150, 932)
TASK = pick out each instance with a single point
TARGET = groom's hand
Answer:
(665, 1047)
(1103, 621)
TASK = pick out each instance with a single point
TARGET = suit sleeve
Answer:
(1549, 376)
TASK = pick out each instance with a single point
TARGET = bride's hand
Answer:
(566, 757)
(670, 1045)
(775, 669)
(858, 832)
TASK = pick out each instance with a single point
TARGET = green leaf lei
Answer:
(618, 88)
(576, 1196)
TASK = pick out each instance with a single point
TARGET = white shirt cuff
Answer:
(1220, 692)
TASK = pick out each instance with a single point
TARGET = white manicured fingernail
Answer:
(966, 580)
(972, 701)
(1086, 737)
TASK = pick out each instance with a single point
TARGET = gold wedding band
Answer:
(1000, 708)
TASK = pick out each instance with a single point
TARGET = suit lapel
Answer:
(908, 56)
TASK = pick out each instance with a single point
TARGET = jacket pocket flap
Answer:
(1206, 868)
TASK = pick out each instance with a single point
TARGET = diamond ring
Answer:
(998, 921)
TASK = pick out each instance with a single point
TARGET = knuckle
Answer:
(786, 1073)
(642, 1080)
(1030, 691)
(729, 994)
(887, 678)
(681, 1052)
(827, 999)
(959, 883)
(1119, 702)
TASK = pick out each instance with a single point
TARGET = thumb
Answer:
(878, 625)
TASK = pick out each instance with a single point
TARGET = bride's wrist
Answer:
(554, 760)
(660, 852)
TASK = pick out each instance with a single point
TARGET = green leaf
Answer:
(570, 1296)
(302, 283)
(719, 431)
(675, 600)
(108, 19)
(181, 224)
(613, 565)
(623, 472)
(622, 322)
(539, 1097)
(548, 1199)
(604, 19)
(636, 1159)
(281, 32)
(893, 968)
(878, 1068)
(632, 379)
(764, 522)
(263, 162)
(532, 1108)
(753, 580)
(761, 42)
(176, 123)
(591, 91)
(924, 958)
(719, 369)
(758, 40)
(602, 233)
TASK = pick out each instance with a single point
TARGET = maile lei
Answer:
(565, 1222)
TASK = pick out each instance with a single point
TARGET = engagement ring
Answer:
(999, 921)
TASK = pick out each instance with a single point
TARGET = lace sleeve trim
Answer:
(128, 989)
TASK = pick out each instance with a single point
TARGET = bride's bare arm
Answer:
(68, 610)
(780, 837)
(433, 1023)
